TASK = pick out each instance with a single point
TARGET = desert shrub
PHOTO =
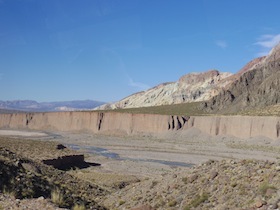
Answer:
(172, 203)
(264, 187)
(121, 202)
(199, 199)
(57, 197)
(79, 207)
(185, 180)
(154, 183)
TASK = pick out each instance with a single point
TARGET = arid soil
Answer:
(191, 147)
(9, 202)
(188, 170)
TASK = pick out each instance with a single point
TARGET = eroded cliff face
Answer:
(95, 122)
(113, 123)
(238, 126)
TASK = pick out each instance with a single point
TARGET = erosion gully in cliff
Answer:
(177, 122)
(113, 123)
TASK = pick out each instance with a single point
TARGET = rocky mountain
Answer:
(256, 86)
(34, 106)
(192, 87)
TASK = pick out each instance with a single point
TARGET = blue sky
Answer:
(55, 50)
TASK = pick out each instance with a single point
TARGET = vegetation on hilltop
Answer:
(189, 109)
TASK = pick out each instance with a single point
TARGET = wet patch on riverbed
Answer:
(104, 152)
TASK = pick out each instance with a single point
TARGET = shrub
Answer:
(172, 203)
(79, 207)
(121, 202)
(199, 199)
(57, 197)
(185, 180)
(264, 187)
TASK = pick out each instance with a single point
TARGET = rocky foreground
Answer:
(245, 184)
(25, 176)
(226, 184)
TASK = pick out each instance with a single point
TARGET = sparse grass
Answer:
(264, 187)
(273, 110)
(79, 207)
(121, 202)
(107, 180)
(189, 109)
(172, 203)
(192, 109)
(154, 183)
(57, 197)
(199, 199)
(185, 180)
(254, 147)
(8, 191)
(33, 148)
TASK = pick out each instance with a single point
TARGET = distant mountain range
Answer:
(34, 106)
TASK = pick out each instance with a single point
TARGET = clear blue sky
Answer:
(54, 50)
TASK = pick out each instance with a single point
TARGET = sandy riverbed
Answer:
(144, 170)
(150, 156)
(22, 133)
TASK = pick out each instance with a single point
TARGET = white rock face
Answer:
(192, 87)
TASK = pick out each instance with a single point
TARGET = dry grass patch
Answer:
(273, 110)
(108, 180)
(57, 197)
(79, 207)
(34, 149)
(264, 187)
(199, 199)
(189, 109)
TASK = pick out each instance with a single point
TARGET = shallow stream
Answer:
(104, 152)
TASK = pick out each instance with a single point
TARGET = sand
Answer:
(22, 133)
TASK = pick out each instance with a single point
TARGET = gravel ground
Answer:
(227, 173)
(193, 147)
(8, 202)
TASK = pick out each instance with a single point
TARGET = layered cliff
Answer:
(192, 87)
(114, 123)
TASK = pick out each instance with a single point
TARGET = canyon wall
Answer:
(114, 123)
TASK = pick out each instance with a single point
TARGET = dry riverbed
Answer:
(149, 156)
(176, 170)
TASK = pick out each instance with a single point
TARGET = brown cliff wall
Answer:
(95, 122)
(239, 126)
(114, 123)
